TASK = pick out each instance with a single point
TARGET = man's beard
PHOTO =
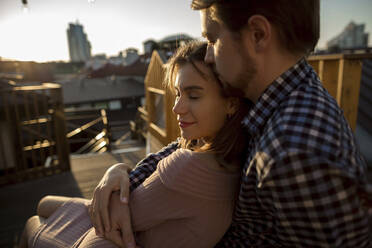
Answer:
(244, 80)
(239, 87)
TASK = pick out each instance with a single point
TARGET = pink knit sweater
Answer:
(187, 202)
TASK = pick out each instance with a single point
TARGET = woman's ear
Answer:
(232, 106)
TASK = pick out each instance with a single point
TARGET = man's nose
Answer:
(209, 55)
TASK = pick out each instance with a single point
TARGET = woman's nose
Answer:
(179, 106)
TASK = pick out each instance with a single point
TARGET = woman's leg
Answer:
(46, 207)
(91, 240)
(48, 204)
(31, 227)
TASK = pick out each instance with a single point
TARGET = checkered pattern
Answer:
(303, 182)
(148, 165)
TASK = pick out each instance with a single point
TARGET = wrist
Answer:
(122, 167)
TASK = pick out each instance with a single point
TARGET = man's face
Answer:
(232, 62)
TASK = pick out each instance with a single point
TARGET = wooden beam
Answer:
(328, 74)
(82, 128)
(59, 121)
(348, 89)
(352, 56)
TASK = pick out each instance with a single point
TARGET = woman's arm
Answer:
(167, 206)
(152, 204)
(148, 165)
(116, 178)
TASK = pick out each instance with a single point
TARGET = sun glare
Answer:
(29, 38)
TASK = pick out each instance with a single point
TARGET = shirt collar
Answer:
(276, 92)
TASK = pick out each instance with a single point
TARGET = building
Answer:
(120, 96)
(172, 42)
(167, 44)
(353, 36)
(78, 44)
(149, 46)
(130, 56)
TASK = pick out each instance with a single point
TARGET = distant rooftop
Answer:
(98, 89)
(176, 37)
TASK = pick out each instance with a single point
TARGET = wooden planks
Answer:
(341, 76)
(155, 92)
(348, 89)
(19, 201)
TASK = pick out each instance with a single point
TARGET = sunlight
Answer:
(29, 38)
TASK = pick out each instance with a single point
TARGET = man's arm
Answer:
(318, 202)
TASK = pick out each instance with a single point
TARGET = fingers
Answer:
(103, 210)
(126, 228)
(95, 216)
(115, 237)
(115, 178)
(124, 189)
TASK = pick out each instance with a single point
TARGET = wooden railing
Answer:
(162, 126)
(33, 133)
(37, 134)
(93, 129)
(340, 74)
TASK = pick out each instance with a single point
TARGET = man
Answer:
(303, 182)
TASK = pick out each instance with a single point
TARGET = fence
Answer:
(37, 134)
(341, 76)
(88, 131)
(33, 139)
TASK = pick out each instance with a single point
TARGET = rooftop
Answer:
(19, 201)
(100, 89)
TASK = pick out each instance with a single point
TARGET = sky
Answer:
(39, 34)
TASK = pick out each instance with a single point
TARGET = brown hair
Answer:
(230, 141)
(297, 21)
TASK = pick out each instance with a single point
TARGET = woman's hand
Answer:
(115, 179)
(119, 234)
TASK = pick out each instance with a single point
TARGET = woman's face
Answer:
(201, 110)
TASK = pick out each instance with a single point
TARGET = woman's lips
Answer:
(184, 124)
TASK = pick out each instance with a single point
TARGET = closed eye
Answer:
(194, 97)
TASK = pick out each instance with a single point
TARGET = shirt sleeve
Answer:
(153, 203)
(148, 165)
(316, 202)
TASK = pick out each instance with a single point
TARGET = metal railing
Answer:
(37, 134)
(33, 139)
(95, 128)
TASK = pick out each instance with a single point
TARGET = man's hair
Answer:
(229, 143)
(297, 21)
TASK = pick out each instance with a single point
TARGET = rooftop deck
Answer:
(19, 201)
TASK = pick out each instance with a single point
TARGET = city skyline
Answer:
(114, 25)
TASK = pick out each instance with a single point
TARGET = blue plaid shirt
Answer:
(303, 182)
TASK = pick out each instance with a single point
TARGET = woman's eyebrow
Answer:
(192, 87)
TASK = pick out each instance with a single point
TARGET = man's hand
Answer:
(116, 178)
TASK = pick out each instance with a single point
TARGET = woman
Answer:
(188, 201)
